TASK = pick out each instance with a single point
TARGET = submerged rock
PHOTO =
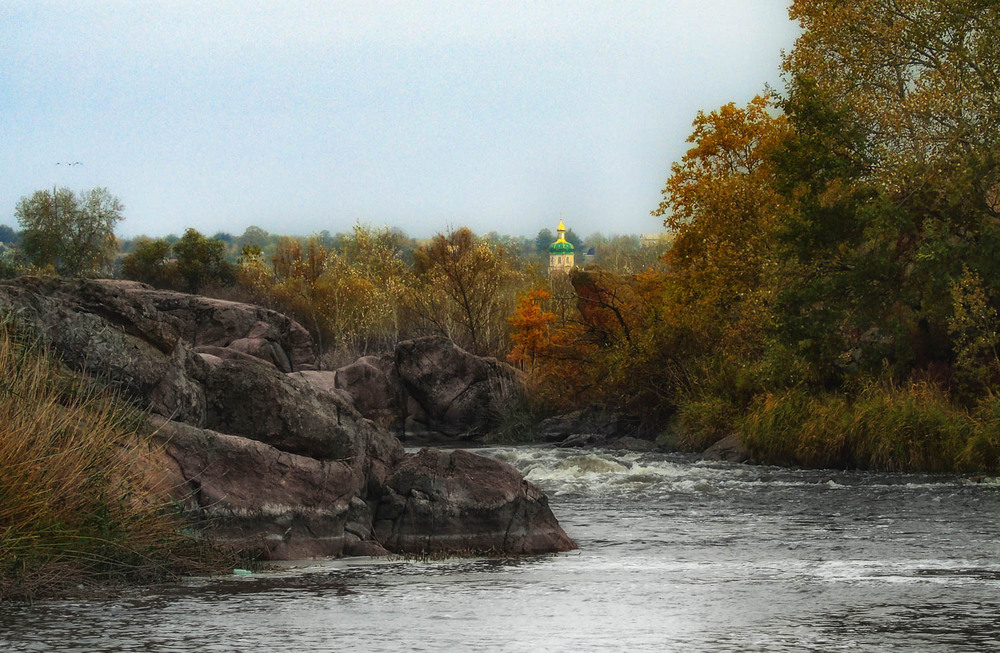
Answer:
(729, 449)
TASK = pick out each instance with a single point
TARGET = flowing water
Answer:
(674, 556)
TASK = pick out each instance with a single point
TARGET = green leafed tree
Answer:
(543, 240)
(893, 173)
(202, 261)
(150, 263)
(8, 235)
(75, 235)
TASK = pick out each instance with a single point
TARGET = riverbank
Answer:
(239, 438)
(883, 426)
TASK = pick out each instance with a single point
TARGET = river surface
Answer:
(674, 556)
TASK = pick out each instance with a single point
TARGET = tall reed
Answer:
(916, 427)
(75, 508)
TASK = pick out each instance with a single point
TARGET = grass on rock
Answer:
(78, 508)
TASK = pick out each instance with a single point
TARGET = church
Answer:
(560, 253)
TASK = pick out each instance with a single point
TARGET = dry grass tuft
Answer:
(74, 509)
(916, 427)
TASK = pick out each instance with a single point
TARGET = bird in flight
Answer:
(75, 163)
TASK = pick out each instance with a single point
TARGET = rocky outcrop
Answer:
(256, 497)
(474, 504)
(205, 322)
(264, 451)
(375, 388)
(258, 402)
(117, 336)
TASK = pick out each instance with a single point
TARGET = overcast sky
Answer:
(303, 116)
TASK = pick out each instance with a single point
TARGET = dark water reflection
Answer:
(674, 556)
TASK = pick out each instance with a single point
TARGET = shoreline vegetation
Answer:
(79, 510)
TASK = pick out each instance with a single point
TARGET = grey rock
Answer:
(588, 421)
(122, 340)
(256, 401)
(440, 501)
(255, 497)
(458, 393)
(583, 440)
(374, 386)
(632, 444)
(207, 322)
(728, 449)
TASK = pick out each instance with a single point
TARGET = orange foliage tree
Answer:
(724, 210)
(530, 325)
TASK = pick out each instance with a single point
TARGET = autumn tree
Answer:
(466, 289)
(626, 254)
(531, 325)
(299, 285)
(254, 275)
(373, 261)
(350, 297)
(723, 209)
(72, 234)
(919, 76)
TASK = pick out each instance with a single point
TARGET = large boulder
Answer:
(729, 449)
(452, 391)
(439, 501)
(258, 402)
(118, 338)
(255, 497)
(207, 322)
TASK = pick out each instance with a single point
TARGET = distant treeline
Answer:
(357, 292)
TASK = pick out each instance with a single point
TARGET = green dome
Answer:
(561, 247)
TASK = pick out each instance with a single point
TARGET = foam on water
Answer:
(607, 473)
(598, 473)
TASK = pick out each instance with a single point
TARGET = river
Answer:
(674, 556)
